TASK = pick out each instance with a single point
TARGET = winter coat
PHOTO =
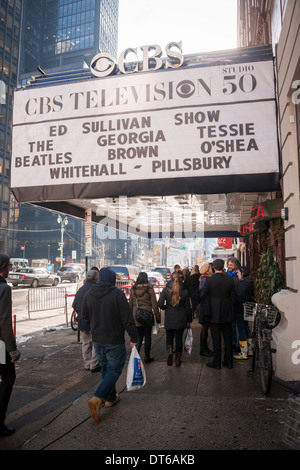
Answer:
(175, 317)
(143, 296)
(6, 330)
(244, 293)
(107, 310)
(82, 325)
(221, 291)
(203, 305)
(193, 283)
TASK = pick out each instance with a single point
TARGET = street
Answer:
(27, 323)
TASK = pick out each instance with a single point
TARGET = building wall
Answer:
(277, 21)
(288, 71)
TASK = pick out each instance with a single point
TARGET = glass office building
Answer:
(66, 34)
(10, 31)
(55, 35)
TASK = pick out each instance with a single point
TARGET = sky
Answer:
(201, 25)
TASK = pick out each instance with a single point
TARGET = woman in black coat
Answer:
(174, 299)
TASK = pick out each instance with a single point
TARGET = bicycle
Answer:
(74, 320)
(264, 318)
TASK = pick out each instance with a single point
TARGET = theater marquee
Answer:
(199, 129)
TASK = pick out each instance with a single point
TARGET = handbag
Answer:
(136, 376)
(144, 317)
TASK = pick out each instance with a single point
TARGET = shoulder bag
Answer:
(144, 317)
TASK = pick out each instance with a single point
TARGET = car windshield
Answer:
(25, 270)
(65, 269)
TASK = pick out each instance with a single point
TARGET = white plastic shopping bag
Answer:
(136, 376)
(188, 342)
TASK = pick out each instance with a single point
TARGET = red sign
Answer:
(225, 243)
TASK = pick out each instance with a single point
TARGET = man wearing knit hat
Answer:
(7, 367)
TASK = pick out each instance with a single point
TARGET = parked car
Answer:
(33, 277)
(156, 278)
(166, 272)
(71, 273)
(127, 272)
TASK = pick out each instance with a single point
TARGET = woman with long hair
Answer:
(174, 299)
(142, 295)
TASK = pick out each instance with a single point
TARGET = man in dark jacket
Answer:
(221, 291)
(8, 349)
(88, 352)
(106, 309)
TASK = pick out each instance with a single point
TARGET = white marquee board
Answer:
(193, 128)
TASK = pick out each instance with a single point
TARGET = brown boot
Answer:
(170, 356)
(178, 359)
(94, 405)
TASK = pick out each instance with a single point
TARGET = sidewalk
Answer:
(191, 407)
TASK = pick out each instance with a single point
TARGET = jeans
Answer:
(112, 358)
(177, 334)
(143, 331)
(242, 327)
(88, 351)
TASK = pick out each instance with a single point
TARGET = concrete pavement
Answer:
(188, 408)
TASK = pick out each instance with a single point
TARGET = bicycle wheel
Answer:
(74, 321)
(266, 368)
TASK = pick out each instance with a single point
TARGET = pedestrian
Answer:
(203, 309)
(174, 299)
(107, 310)
(185, 277)
(221, 292)
(142, 295)
(90, 360)
(177, 269)
(233, 265)
(8, 346)
(192, 285)
(244, 293)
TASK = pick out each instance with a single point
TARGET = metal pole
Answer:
(61, 244)
(66, 308)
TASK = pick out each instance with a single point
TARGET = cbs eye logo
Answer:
(103, 64)
(185, 89)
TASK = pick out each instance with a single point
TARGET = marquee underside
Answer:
(182, 216)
